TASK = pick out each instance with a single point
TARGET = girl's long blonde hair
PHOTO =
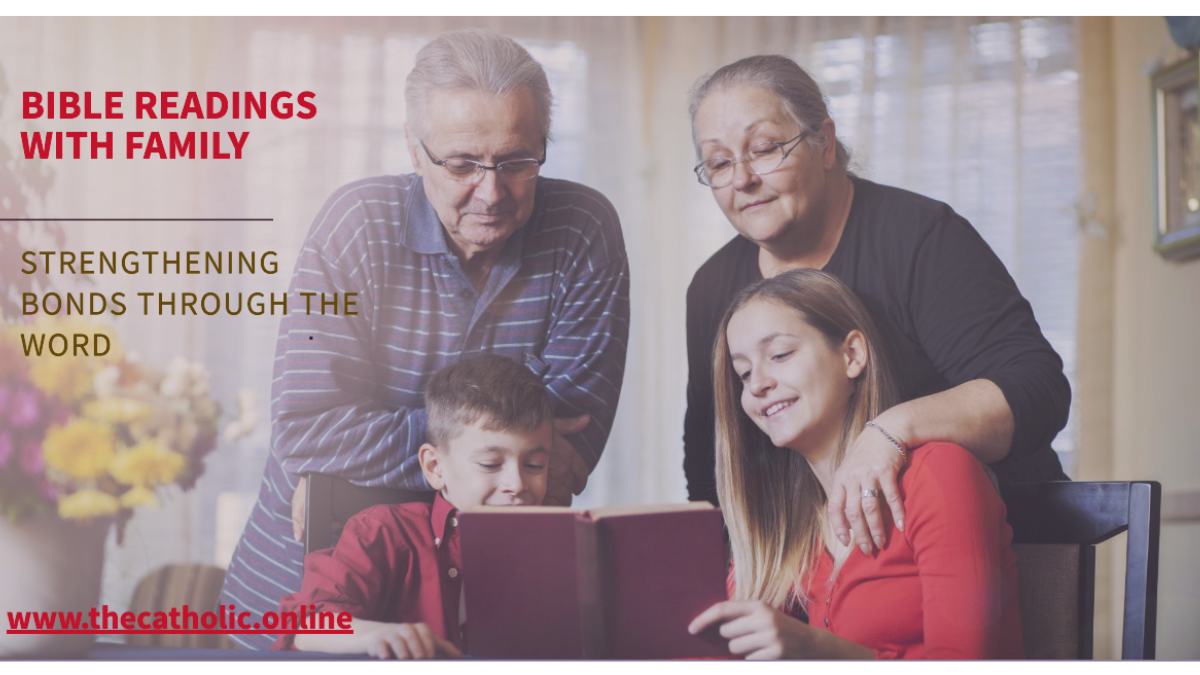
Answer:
(773, 504)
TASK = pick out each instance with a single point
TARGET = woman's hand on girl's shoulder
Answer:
(872, 463)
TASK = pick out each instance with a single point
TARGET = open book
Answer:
(621, 582)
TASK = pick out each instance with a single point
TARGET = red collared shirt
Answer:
(395, 563)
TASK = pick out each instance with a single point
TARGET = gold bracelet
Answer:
(898, 445)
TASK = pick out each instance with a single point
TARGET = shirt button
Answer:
(826, 599)
(454, 522)
(454, 574)
(437, 541)
(826, 618)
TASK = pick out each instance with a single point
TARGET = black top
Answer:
(947, 308)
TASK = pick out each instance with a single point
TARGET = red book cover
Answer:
(624, 582)
(519, 583)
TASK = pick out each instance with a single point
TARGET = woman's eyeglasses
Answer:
(717, 172)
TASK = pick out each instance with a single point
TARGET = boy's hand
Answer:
(407, 641)
(568, 471)
(381, 641)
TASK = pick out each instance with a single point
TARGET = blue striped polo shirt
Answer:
(348, 391)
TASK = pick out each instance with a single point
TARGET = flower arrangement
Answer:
(91, 437)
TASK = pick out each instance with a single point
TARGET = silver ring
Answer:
(871, 493)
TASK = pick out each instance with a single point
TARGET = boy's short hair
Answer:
(505, 393)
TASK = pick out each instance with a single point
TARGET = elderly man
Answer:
(473, 253)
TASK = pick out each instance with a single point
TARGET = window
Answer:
(983, 115)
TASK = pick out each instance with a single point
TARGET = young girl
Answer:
(799, 373)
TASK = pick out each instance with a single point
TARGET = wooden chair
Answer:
(173, 586)
(1056, 527)
(332, 500)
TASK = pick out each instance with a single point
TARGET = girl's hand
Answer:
(756, 630)
(872, 462)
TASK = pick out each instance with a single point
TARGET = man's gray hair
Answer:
(475, 59)
(801, 95)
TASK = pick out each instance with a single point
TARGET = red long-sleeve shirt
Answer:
(944, 588)
(396, 564)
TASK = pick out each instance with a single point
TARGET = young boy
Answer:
(395, 568)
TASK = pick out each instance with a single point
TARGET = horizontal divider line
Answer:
(139, 220)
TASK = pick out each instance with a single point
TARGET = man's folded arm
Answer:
(585, 351)
(327, 408)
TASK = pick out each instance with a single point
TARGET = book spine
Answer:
(593, 623)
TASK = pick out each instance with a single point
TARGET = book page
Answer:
(520, 509)
(603, 512)
(640, 509)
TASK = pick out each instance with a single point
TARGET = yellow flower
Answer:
(65, 377)
(87, 504)
(146, 464)
(118, 410)
(81, 450)
(139, 496)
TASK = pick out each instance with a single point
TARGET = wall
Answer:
(1155, 334)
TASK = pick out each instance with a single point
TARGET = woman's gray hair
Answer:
(475, 59)
(801, 95)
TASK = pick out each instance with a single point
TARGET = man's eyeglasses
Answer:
(760, 160)
(470, 171)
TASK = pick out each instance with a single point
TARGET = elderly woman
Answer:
(972, 365)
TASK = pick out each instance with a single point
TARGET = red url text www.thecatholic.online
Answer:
(178, 621)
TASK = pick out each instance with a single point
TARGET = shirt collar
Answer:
(442, 512)
(422, 231)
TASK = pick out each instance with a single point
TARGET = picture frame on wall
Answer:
(1175, 102)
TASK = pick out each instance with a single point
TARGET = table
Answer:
(108, 651)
